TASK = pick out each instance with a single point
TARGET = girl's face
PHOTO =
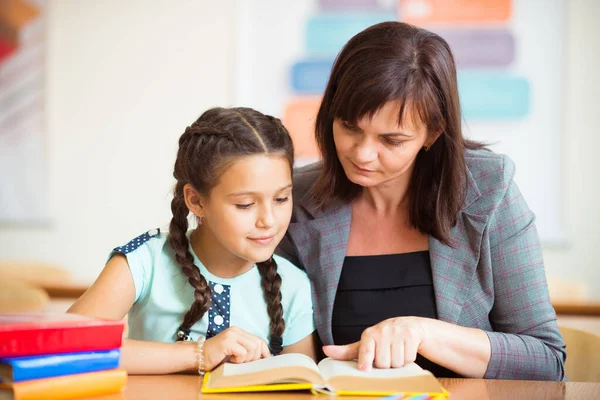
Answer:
(249, 210)
(379, 151)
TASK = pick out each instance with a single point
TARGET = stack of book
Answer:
(59, 356)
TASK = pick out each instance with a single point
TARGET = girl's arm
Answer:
(306, 346)
(112, 296)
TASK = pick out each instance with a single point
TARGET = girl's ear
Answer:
(193, 200)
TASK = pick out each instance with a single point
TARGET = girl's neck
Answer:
(217, 259)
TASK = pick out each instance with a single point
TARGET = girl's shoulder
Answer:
(287, 269)
(153, 238)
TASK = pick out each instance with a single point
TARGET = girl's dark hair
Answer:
(206, 149)
(394, 61)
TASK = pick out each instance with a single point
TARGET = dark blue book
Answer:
(17, 369)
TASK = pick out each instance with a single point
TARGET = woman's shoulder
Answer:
(305, 176)
(490, 175)
(304, 179)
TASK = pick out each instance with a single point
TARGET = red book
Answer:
(32, 334)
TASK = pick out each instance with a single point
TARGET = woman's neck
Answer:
(217, 259)
(386, 199)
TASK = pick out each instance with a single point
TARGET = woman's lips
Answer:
(360, 169)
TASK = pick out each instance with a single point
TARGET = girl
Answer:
(233, 173)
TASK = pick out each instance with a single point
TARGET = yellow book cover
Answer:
(66, 386)
(329, 377)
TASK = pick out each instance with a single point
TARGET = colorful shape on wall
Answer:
(6, 49)
(480, 48)
(423, 12)
(23, 152)
(326, 33)
(489, 95)
(362, 5)
(310, 76)
(299, 118)
(14, 14)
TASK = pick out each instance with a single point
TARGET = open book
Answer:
(331, 377)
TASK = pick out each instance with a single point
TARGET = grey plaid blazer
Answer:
(493, 279)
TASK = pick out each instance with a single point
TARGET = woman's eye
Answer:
(282, 199)
(347, 126)
(244, 206)
(394, 142)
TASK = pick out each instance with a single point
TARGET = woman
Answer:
(417, 241)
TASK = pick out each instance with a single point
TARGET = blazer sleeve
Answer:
(526, 342)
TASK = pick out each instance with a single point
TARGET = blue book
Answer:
(18, 369)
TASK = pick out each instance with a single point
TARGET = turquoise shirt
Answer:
(163, 295)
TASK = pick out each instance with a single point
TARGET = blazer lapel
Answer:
(321, 245)
(453, 268)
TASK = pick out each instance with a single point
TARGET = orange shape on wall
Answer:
(299, 118)
(14, 14)
(419, 12)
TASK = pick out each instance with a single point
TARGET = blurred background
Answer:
(94, 95)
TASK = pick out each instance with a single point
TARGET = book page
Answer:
(330, 368)
(281, 361)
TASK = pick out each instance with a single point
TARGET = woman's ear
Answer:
(431, 139)
(193, 200)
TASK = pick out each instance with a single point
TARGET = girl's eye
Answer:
(282, 199)
(244, 206)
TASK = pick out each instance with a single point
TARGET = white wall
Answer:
(125, 78)
(580, 260)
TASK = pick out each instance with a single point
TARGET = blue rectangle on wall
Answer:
(493, 96)
(327, 33)
(310, 76)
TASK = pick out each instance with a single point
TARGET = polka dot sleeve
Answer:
(139, 258)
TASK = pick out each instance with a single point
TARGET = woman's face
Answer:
(378, 151)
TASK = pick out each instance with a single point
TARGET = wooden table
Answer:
(188, 387)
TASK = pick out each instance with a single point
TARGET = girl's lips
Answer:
(263, 240)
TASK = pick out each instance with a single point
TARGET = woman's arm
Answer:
(525, 342)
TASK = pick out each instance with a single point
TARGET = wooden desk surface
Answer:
(188, 387)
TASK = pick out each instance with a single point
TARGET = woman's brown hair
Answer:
(394, 61)
(206, 149)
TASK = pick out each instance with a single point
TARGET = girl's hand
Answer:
(239, 345)
(389, 344)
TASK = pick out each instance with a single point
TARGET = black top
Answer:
(375, 288)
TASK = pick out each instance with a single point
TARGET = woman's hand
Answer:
(389, 344)
(235, 343)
